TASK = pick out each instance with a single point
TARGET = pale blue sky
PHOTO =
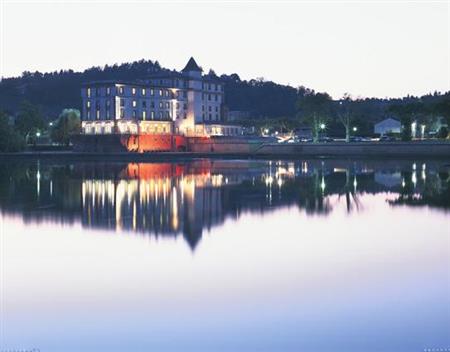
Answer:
(366, 48)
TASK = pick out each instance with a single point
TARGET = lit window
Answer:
(152, 92)
(120, 90)
(167, 105)
(143, 91)
(88, 104)
(160, 92)
(144, 115)
(133, 91)
(160, 105)
(88, 114)
(88, 92)
(167, 93)
(108, 91)
(107, 114)
(97, 115)
(160, 114)
(134, 103)
(152, 115)
(122, 113)
(134, 113)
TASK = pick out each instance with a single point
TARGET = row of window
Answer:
(150, 91)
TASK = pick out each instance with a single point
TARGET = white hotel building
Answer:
(168, 102)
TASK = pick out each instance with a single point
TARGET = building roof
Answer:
(192, 66)
(389, 121)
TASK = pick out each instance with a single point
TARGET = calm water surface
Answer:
(306, 255)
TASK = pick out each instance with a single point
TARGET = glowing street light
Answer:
(50, 124)
(322, 126)
(355, 129)
(38, 134)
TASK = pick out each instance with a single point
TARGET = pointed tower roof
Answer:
(192, 66)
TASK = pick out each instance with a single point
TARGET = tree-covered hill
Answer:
(55, 91)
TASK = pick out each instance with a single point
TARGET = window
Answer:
(134, 103)
(133, 91)
(144, 115)
(152, 115)
(160, 104)
(209, 108)
(160, 115)
(184, 116)
(121, 90)
(122, 102)
(88, 114)
(108, 103)
(152, 91)
(209, 86)
(122, 113)
(88, 92)
(209, 96)
(167, 115)
(203, 107)
(184, 94)
(217, 109)
(144, 104)
(143, 91)
(167, 93)
(96, 92)
(134, 113)
(216, 97)
(152, 104)
(178, 106)
(210, 116)
(97, 114)
(107, 113)
(215, 87)
(167, 105)
(88, 104)
(160, 92)
(108, 90)
(219, 87)
(184, 106)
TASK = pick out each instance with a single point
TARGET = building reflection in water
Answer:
(172, 199)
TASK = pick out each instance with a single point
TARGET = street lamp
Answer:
(322, 126)
(355, 129)
(38, 134)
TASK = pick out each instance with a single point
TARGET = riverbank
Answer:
(432, 149)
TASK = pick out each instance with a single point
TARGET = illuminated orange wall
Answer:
(154, 143)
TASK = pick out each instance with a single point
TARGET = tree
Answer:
(406, 128)
(345, 115)
(68, 123)
(314, 110)
(29, 120)
(10, 140)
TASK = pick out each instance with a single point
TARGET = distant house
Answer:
(388, 126)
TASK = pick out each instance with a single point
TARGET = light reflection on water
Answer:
(226, 255)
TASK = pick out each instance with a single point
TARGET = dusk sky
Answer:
(365, 48)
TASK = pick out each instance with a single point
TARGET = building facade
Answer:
(184, 103)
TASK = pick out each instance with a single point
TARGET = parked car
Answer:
(387, 139)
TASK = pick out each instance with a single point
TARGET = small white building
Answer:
(388, 126)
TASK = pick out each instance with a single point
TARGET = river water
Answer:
(225, 255)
